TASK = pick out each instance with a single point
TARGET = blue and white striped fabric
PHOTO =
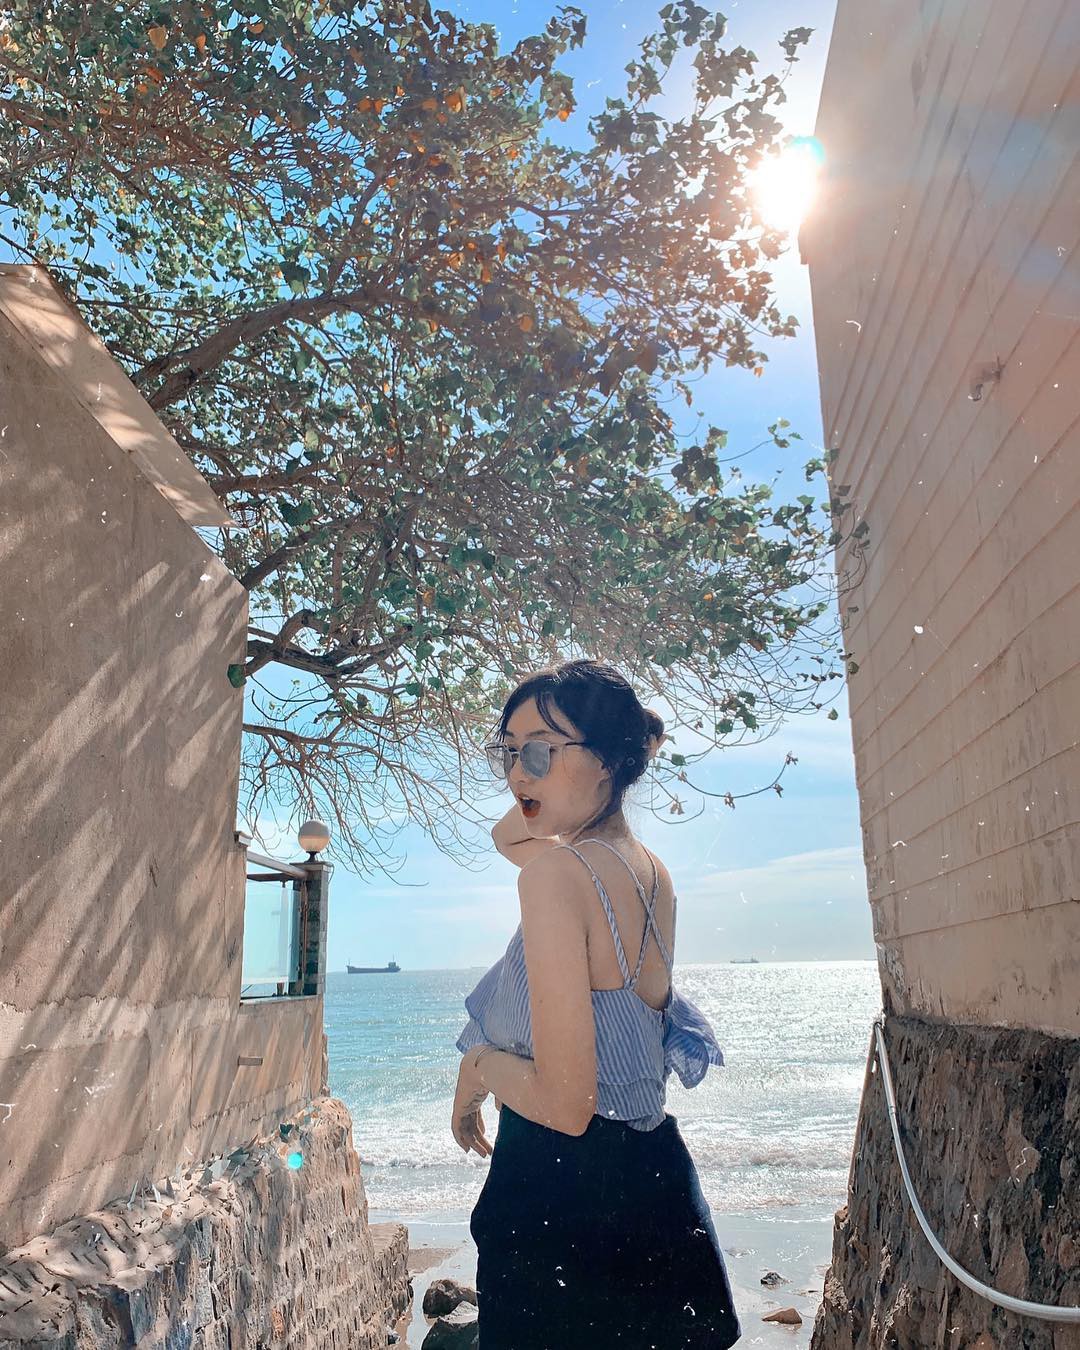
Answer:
(637, 1046)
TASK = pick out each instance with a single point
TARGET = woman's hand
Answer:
(466, 1122)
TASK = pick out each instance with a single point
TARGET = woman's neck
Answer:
(614, 833)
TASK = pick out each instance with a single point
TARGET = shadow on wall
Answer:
(121, 913)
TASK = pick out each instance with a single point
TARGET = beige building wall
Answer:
(944, 263)
(122, 901)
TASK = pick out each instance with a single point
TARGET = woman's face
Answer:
(575, 787)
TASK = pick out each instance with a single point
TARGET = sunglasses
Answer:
(535, 757)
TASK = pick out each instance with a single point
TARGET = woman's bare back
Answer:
(604, 972)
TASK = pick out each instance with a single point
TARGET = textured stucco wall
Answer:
(121, 912)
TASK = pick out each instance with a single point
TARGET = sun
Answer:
(784, 185)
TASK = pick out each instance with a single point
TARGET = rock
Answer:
(444, 1295)
(788, 1316)
(772, 1279)
(974, 1104)
(457, 1330)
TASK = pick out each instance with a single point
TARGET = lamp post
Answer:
(313, 836)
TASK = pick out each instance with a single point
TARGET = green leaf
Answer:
(296, 276)
(296, 514)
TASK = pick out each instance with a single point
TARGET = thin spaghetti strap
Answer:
(650, 920)
(674, 916)
(669, 957)
(608, 910)
(650, 917)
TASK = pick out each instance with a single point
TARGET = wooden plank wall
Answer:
(943, 255)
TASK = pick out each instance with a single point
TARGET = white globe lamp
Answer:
(314, 837)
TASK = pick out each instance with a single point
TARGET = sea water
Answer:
(770, 1132)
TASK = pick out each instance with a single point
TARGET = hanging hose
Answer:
(1050, 1311)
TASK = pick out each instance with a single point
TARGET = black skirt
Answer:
(597, 1240)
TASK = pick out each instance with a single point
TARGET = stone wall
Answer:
(245, 1250)
(990, 1123)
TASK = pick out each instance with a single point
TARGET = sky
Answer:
(779, 878)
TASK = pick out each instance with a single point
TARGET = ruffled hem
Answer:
(475, 1031)
(472, 1034)
(689, 1043)
(640, 1104)
(688, 1047)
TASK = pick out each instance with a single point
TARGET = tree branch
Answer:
(193, 364)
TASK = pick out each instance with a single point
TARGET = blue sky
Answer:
(779, 878)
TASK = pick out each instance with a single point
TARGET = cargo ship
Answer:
(391, 969)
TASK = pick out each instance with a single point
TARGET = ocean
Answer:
(770, 1130)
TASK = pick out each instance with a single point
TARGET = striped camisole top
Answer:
(637, 1046)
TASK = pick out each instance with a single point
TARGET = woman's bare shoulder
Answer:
(639, 854)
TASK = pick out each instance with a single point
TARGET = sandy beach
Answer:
(793, 1241)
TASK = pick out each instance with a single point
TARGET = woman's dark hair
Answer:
(607, 712)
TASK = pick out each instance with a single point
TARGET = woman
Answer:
(591, 1229)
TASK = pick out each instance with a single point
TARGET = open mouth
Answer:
(529, 805)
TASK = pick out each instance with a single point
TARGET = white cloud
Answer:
(825, 873)
(823, 748)
(801, 906)
(272, 834)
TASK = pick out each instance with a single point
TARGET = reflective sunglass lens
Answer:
(535, 758)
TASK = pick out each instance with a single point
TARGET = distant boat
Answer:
(391, 969)
(745, 961)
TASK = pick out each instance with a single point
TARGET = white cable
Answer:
(1050, 1311)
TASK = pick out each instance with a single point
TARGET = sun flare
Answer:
(784, 185)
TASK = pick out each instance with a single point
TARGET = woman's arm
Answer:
(513, 830)
(512, 1078)
(556, 1088)
(512, 839)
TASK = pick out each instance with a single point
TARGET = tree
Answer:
(425, 356)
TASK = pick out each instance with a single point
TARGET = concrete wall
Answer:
(122, 902)
(943, 249)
